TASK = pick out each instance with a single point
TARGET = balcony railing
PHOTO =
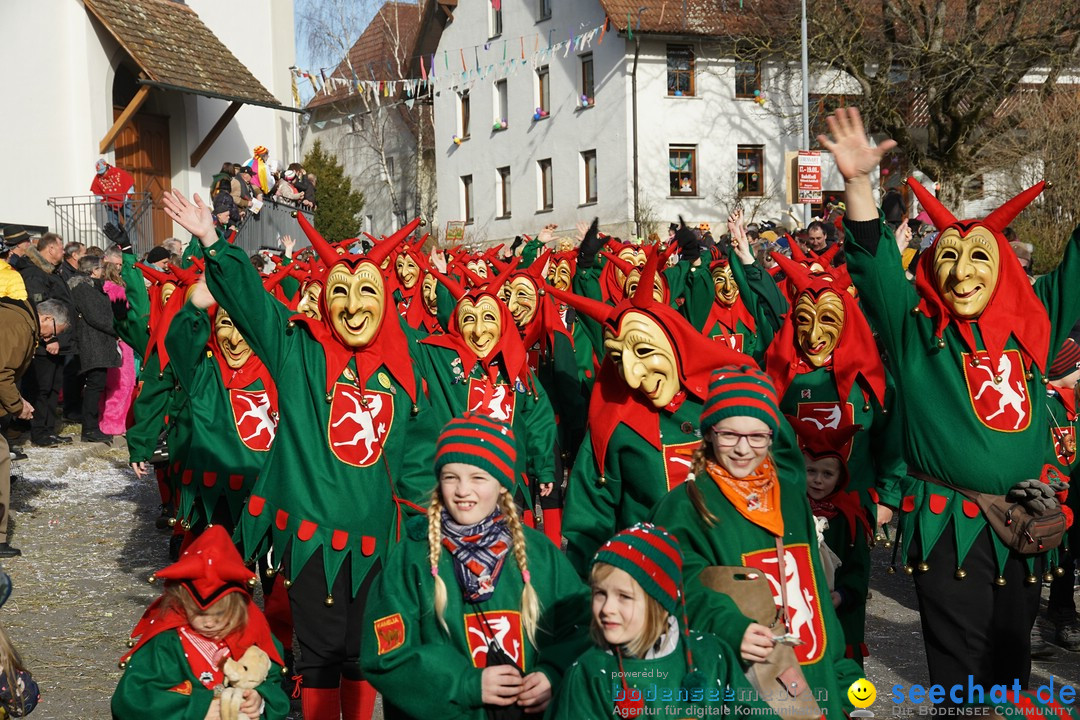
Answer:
(274, 220)
(82, 218)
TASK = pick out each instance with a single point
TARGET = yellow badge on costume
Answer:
(390, 632)
(183, 688)
(384, 380)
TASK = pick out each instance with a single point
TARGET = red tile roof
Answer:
(707, 18)
(383, 51)
(174, 47)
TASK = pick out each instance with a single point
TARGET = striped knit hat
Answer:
(736, 391)
(478, 440)
(1066, 362)
(652, 557)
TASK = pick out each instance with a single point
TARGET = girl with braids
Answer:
(451, 611)
(745, 504)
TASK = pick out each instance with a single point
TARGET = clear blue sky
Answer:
(305, 59)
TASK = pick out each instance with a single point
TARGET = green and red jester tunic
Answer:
(408, 656)
(226, 428)
(452, 392)
(635, 475)
(329, 481)
(733, 540)
(1064, 422)
(174, 675)
(968, 419)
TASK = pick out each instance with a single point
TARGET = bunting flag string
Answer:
(491, 65)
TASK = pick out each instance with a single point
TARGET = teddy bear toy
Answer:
(245, 673)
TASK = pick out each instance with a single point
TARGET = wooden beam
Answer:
(215, 132)
(124, 119)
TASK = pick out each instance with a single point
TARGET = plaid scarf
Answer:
(479, 551)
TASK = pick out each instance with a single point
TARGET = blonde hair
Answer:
(656, 617)
(235, 606)
(530, 603)
(11, 665)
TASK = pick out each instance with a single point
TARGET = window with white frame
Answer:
(588, 177)
(750, 170)
(543, 10)
(495, 19)
(466, 198)
(464, 114)
(543, 91)
(588, 86)
(546, 185)
(682, 169)
(501, 106)
(502, 192)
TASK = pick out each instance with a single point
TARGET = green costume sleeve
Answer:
(530, 252)
(700, 295)
(541, 432)
(763, 298)
(396, 663)
(186, 342)
(1058, 292)
(885, 293)
(236, 285)
(584, 693)
(706, 609)
(853, 575)
(562, 632)
(150, 409)
(133, 329)
(588, 519)
(887, 448)
(444, 305)
(194, 249)
(146, 688)
(678, 277)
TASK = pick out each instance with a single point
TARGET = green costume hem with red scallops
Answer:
(264, 527)
(200, 491)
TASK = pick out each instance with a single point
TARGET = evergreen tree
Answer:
(338, 216)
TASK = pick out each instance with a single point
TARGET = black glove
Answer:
(590, 245)
(689, 247)
(118, 236)
(517, 243)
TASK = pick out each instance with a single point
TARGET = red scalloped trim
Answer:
(367, 545)
(236, 482)
(873, 493)
(186, 477)
(908, 503)
(209, 478)
(938, 503)
(307, 530)
(970, 509)
(256, 505)
(339, 539)
(281, 519)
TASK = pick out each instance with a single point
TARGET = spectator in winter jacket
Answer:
(97, 342)
(114, 187)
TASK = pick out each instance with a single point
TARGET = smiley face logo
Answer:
(862, 693)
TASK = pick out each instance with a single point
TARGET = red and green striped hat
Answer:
(481, 441)
(652, 556)
(740, 390)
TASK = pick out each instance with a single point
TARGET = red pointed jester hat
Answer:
(209, 569)
(855, 359)
(613, 401)
(546, 321)
(818, 443)
(388, 346)
(1013, 308)
(724, 315)
(162, 313)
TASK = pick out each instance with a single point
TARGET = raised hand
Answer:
(288, 243)
(438, 260)
(851, 149)
(582, 230)
(548, 233)
(195, 217)
(201, 296)
(739, 239)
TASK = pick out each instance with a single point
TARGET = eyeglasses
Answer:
(728, 439)
(52, 335)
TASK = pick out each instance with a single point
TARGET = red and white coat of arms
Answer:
(804, 606)
(494, 401)
(504, 627)
(1064, 439)
(677, 462)
(256, 421)
(828, 415)
(999, 394)
(360, 420)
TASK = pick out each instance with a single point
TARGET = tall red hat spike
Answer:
(382, 249)
(799, 275)
(625, 265)
(598, 311)
(502, 278)
(643, 296)
(187, 276)
(1000, 218)
(666, 253)
(797, 253)
(939, 215)
(536, 269)
(455, 289)
(156, 275)
(325, 250)
(828, 256)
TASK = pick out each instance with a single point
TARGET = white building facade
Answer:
(702, 146)
(71, 74)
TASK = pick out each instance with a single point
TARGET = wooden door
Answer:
(142, 149)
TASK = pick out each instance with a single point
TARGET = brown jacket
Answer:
(19, 328)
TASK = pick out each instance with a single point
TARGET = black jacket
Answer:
(43, 283)
(94, 324)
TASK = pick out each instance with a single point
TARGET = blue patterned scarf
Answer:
(479, 551)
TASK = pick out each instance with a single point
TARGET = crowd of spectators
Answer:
(239, 190)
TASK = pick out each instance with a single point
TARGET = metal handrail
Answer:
(82, 218)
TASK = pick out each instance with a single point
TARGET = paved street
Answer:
(86, 529)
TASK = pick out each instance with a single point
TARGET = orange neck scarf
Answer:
(756, 496)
